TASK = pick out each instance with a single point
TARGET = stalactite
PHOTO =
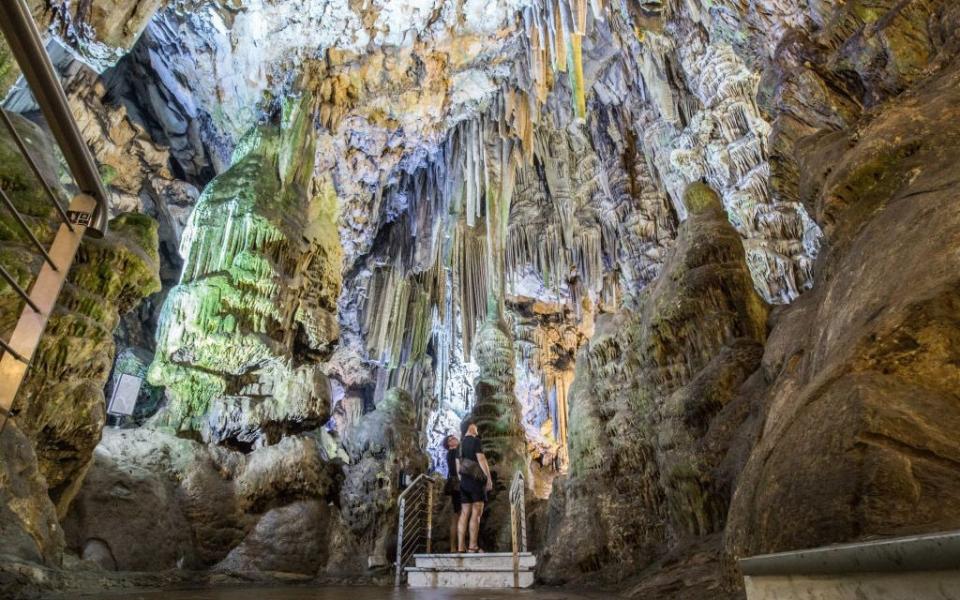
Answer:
(560, 43)
(579, 94)
(589, 261)
(554, 32)
(474, 169)
(559, 384)
(469, 264)
(398, 314)
(518, 111)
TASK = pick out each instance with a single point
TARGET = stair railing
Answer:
(415, 521)
(87, 213)
(518, 522)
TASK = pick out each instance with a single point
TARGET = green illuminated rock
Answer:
(239, 338)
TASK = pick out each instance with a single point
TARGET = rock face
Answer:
(858, 438)
(288, 539)
(840, 433)
(201, 506)
(654, 407)
(30, 530)
(101, 30)
(688, 264)
(384, 444)
(290, 508)
(59, 412)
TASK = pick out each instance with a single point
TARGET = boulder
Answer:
(290, 540)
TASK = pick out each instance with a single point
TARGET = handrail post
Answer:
(518, 520)
(429, 516)
(523, 520)
(513, 540)
(403, 505)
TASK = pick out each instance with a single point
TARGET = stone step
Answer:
(465, 578)
(481, 562)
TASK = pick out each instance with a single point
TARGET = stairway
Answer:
(488, 570)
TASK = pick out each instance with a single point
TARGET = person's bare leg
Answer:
(462, 528)
(476, 510)
(454, 530)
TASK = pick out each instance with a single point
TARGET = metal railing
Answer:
(28, 49)
(925, 552)
(518, 522)
(918, 566)
(415, 521)
(87, 213)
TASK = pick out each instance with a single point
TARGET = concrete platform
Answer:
(492, 570)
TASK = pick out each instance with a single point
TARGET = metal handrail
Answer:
(420, 495)
(28, 49)
(87, 212)
(518, 522)
(924, 552)
(26, 228)
(36, 169)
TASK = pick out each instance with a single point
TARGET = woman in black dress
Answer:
(475, 482)
(452, 488)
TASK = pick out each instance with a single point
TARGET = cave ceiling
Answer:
(437, 164)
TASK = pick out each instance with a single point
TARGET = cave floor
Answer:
(341, 593)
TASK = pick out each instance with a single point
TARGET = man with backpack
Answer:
(475, 482)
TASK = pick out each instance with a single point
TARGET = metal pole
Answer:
(12, 282)
(9, 349)
(429, 515)
(523, 514)
(403, 505)
(513, 540)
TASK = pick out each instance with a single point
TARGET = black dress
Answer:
(453, 485)
(471, 490)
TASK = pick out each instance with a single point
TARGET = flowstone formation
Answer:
(654, 409)
(240, 336)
